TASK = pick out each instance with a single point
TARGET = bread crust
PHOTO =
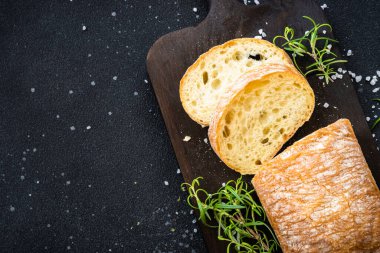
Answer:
(202, 57)
(241, 83)
(320, 196)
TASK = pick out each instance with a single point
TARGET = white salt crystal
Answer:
(326, 105)
(358, 78)
(324, 6)
(166, 183)
(349, 52)
(187, 138)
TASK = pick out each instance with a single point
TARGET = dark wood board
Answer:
(173, 53)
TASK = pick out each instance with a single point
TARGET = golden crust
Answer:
(320, 196)
(222, 108)
(211, 51)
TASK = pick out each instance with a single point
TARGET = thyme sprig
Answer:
(314, 45)
(239, 219)
(377, 121)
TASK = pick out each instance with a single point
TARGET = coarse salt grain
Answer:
(378, 73)
(349, 52)
(264, 34)
(178, 171)
(135, 93)
(32, 89)
(84, 28)
(187, 138)
(324, 6)
(114, 78)
(256, 2)
(166, 183)
(93, 83)
(373, 81)
(368, 78)
(205, 140)
(145, 81)
(326, 105)
(113, 14)
(195, 9)
(258, 37)
(72, 128)
(88, 127)
(358, 78)
(368, 118)
(375, 90)
(260, 31)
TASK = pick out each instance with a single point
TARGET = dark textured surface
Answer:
(102, 189)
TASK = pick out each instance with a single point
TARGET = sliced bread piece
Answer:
(216, 70)
(259, 113)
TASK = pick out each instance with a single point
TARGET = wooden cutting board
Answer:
(173, 53)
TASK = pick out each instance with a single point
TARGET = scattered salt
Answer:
(114, 78)
(166, 183)
(326, 105)
(110, 113)
(135, 93)
(71, 91)
(178, 171)
(205, 140)
(258, 37)
(324, 6)
(260, 31)
(12, 208)
(72, 128)
(264, 34)
(84, 28)
(368, 78)
(349, 52)
(256, 2)
(368, 118)
(324, 31)
(146, 81)
(113, 14)
(373, 81)
(378, 73)
(32, 89)
(195, 9)
(93, 83)
(376, 90)
(88, 127)
(358, 78)
(22, 177)
(68, 182)
(187, 138)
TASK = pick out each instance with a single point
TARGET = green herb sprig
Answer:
(240, 220)
(378, 119)
(315, 46)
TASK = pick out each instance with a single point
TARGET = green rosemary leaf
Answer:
(237, 215)
(377, 121)
(308, 45)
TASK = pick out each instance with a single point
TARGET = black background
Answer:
(83, 167)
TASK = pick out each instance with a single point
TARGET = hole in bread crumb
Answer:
(222, 52)
(237, 56)
(256, 57)
(229, 146)
(205, 77)
(194, 103)
(229, 117)
(226, 132)
(249, 64)
(214, 74)
(227, 61)
(202, 65)
(213, 66)
(280, 76)
(263, 141)
(266, 130)
(275, 110)
(258, 162)
(282, 131)
(284, 117)
(215, 84)
(297, 85)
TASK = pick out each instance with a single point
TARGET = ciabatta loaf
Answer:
(320, 196)
(258, 114)
(217, 70)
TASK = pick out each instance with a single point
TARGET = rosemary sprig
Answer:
(240, 220)
(378, 119)
(314, 45)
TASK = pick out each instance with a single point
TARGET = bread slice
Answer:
(259, 113)
(216, 70)
(320, 196)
